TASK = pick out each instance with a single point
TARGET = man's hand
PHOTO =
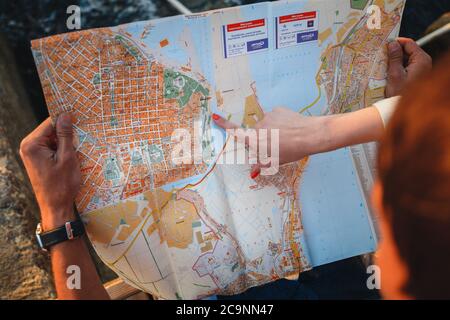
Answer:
(53, 169)
(54, 172)
(406, 62)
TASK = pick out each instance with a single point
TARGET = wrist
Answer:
(304, 140)
(55, 218)
(332, 134)
(318, 137)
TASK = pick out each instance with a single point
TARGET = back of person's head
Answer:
(414, 171)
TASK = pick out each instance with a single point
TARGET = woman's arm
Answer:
(300, 136)
(352, 128)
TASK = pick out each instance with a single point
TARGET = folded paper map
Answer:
(189, 231)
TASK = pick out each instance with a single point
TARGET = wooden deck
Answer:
(119, 290)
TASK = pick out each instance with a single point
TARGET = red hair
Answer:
(414, 169)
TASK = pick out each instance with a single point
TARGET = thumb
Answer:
(396, 71)
(64, 133)
(395, 55)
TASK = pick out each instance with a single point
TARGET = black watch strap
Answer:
(68, 231)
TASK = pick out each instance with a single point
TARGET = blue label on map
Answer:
(257, 45)
(307, 36)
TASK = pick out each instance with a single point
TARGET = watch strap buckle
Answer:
(69, 230)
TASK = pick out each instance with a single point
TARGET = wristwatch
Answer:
(69, 231)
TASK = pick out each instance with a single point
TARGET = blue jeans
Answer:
(344, 279)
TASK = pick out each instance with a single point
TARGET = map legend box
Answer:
(295, 29)
(245, 37)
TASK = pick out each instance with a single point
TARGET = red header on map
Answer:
(298, 16)
(246, 25)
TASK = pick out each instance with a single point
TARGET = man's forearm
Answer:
(67, 259)
(72, 264)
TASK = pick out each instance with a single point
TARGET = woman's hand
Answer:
(299, 136)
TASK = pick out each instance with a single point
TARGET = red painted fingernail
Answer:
(254, 174)
(215, 116)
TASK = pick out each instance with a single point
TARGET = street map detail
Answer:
(189, 231)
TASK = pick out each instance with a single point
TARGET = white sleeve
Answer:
(386, 108)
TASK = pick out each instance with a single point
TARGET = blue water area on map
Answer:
(334, 213)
